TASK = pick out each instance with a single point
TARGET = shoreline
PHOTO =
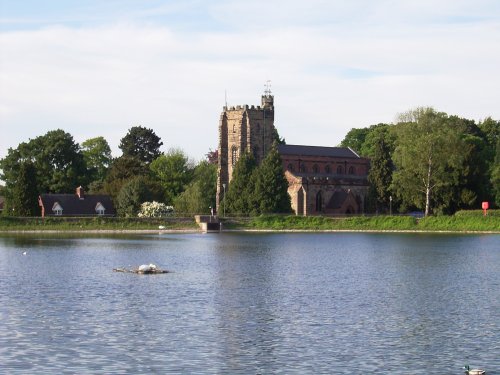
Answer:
(195, 231)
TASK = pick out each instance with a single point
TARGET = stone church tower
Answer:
(243, 129)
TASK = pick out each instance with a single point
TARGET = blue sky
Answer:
(97, 68)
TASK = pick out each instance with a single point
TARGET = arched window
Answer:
(234, 155)
(327, 169)
(339, 169)
(315, 168)
(234, 128)
(303, 168)
(290, 167)
(352, 170)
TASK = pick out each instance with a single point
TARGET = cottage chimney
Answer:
(79, 192)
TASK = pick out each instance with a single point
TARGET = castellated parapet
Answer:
(242, 129)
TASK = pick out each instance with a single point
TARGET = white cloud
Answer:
(333, 67)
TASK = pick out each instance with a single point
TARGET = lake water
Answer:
(250, 304)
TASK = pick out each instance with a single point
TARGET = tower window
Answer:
(234, 155)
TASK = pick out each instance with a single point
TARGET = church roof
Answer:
(338, 152)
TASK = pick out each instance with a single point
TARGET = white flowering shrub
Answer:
(155, 209)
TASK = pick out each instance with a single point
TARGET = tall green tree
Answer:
(121, 171)
(495, 175)
(271, 186)
(174, 171)
(25, 193)
(141, 143)
(97, 155)
(355, 138)
(381, 169)
(239, 198)
(199, 196)
(428, 158)
(58, 161)
(135, 192)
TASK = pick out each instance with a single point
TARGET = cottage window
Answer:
(57, 209)
(303, 168)
(315, 168)
(352, 170)
(327, 169)
(339, 169)
(99, 209)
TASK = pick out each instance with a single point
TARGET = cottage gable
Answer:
(99, 209)
(57, 209)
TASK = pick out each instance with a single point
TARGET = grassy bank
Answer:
(459, 223)
(462, 221)
(94, 223)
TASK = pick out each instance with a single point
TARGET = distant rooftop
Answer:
(338, 152)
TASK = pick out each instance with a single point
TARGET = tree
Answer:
(381, 169)
(121, 171)
(271, 186)
(239, 197)
(58, 161)
(495, 175)
(141, 143)
(474, 177)
(212, 156)
(428, 158)
(355, 138)
(199, 196)
(135, 192)
(25, 193)
(97, 155)
(174, 171)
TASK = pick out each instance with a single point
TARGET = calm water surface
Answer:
(250, 304)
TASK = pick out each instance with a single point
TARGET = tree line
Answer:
(427, 161)
(55, 163)
(430, 161)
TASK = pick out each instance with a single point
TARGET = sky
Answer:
(97, 68)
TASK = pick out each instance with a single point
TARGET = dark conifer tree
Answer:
(271, 187)
(239, 194)
(141, 143)
(25, 192)
(380, 175)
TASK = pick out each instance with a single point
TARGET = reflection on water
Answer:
(250, 304)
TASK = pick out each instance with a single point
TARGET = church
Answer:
(321, 180)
